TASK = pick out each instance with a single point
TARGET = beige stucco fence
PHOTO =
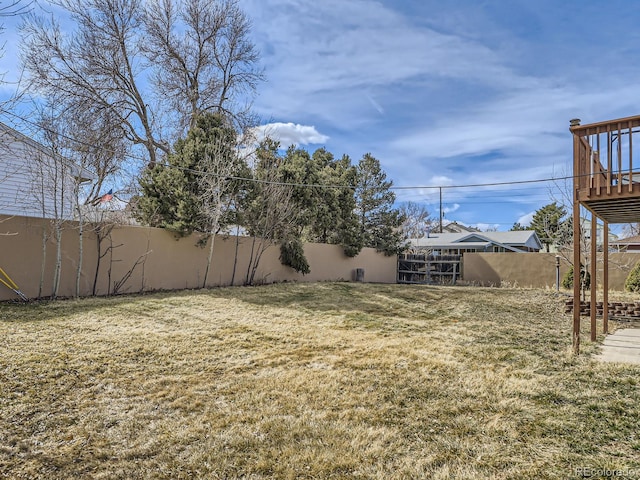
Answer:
(153, 259)
(537, 270)
(163, 262)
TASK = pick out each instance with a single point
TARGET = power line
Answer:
(295, 184)
(492, 184)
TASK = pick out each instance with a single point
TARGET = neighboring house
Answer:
(35, 181)
(585, 224)
(458, 243)
(629, 244)
(455, 227)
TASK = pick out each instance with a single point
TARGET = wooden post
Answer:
(440, 188)
(593, 283)
(455, 265)
(605, 278)
(576, 246)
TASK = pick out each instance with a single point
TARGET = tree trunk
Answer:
(209, 259)
(99, 239)
(58, 267)
(80, 247)
(43, 266)
(235, 257)
(253, 244)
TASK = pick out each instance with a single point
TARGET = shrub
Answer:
(292, 255)
(632, 283)
(567, 280)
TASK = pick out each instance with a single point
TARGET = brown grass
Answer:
(310, 381)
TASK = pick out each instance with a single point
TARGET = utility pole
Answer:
(440, 188)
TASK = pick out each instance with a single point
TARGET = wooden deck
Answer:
(606, 182)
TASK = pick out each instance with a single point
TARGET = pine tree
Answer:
(547, 222)
(517, 227)
(632, 282)
(379, 222)
(332, 218)
(168, 197)
(178, 195)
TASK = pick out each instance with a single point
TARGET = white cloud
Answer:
(441, 180)
(525, 220)
(320, 50)
(375, 104)
(450, 208)
(291, 134)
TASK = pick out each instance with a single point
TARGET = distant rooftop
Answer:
(512, 240)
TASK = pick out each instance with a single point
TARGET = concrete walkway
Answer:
(623, 346)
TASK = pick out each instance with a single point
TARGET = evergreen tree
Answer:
(547, 222)
(178, 196)
(332, 218)
(517, 227)
(347, 232)
(297, 167)
(325, 218)
(168, 197)
(379, 222)
(272, 213)
(632, 282)
(585, 278)
(323, 193)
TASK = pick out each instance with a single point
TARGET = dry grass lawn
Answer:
(329, 380)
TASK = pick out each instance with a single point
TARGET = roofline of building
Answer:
(83, 173)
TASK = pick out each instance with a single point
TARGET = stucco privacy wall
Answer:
(164, 262)
(537, 270)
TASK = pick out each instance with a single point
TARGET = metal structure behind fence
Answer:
(429, 269)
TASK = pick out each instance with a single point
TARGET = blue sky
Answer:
(443, 93)
(449, 92)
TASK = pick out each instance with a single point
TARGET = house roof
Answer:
(513, 241)
(523, 238)
(635, 240)
(455, 227)
(82, 173)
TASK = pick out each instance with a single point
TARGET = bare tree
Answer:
(98, 66)
(631, 229)
(94, 152)
(271, 214)
(96, 149)
(102, 229)
(216, 188)
(202, 56)
(104, 64)
(51, 178)
(12, 8)
(417, 220)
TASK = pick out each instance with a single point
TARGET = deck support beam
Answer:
(593, 283)
(606, 183)
(605, 277)
(576, 249)
(576, 279)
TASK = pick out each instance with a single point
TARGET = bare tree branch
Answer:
(197, 53)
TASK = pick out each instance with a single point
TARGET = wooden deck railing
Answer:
(604, 158)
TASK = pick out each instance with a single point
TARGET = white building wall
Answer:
(32, 182)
